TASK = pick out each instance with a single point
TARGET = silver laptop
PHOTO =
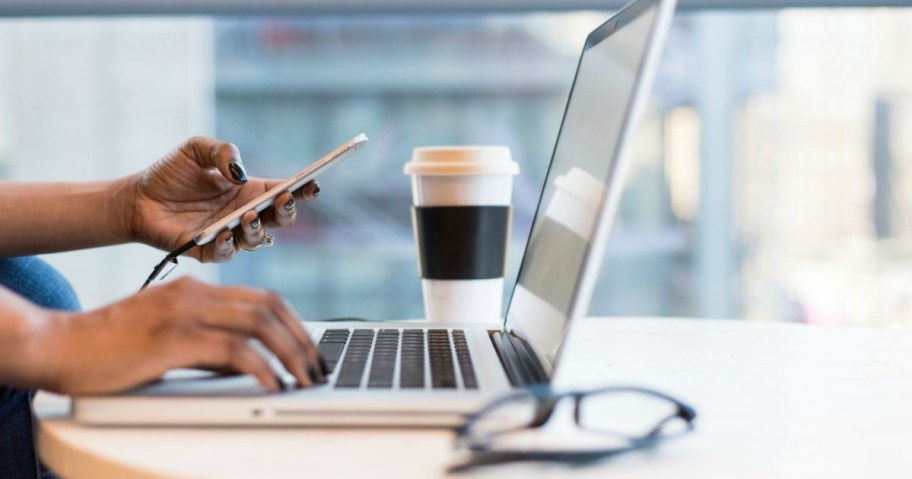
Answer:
(432, 375)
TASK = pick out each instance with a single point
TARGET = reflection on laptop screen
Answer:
(583, 164)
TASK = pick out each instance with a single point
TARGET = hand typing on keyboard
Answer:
(184, 323)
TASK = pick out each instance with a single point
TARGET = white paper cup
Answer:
(461, 221)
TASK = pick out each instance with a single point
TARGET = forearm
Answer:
(52, 217)
(21, 323)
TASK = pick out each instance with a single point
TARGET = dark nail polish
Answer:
(316, 190)
(282, 385)
(315, 376)
(289, 205)
(324, 367)
(255, 224)
(237, 171)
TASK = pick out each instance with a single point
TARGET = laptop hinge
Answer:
(518, 359)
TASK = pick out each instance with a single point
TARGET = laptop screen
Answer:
(547, 293)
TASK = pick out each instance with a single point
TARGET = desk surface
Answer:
(775, 400)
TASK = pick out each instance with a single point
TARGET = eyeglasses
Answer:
(610, 421)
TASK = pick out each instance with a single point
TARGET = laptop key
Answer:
(464, 358)
(411, 359)
(355, 359)
(330, 353)
(383, 364)
(330, 346)
(443, 376)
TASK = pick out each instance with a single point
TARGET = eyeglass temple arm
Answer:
(169, 258)
(687, 413)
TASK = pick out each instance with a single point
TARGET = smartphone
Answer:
(267, 199)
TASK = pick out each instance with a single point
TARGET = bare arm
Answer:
(20, 321)
(184, 323)
(51, 217)
(163, 206)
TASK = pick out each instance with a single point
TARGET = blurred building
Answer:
(771, 181)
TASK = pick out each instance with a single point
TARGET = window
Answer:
(770, 181)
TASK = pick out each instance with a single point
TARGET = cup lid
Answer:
(461, 160)
(580, 184)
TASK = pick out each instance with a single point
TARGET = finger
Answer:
(293, 324)
(283, 212)
(212, 153)
(261, 322)
(245, 359)
(294, 328)
(252, 230)
(220, 250)
(289, 319)
(215, 349)
(310, 190)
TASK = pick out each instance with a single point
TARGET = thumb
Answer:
(212, 153)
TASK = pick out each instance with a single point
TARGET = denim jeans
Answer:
(35, 280)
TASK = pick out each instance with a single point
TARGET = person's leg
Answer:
(41, 284)
(38, 282)
(17, 451)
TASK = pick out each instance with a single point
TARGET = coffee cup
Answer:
(461, 218)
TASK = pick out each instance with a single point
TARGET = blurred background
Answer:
(772, 176)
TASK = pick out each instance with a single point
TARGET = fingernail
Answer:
(324, 367)
(290, 204)
(315, 376)
(255, 224)
(316, 190)
(237, 171)
(229, 241)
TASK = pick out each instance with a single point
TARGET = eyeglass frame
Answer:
(483, 455)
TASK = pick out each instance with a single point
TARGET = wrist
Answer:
(42, 350)
(27, 357)
(122, 214)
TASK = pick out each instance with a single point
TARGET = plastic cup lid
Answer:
(461, 160)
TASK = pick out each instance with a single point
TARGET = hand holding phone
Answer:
(296, 181)
(261, 202)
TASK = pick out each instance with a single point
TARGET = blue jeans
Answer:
(38, 282)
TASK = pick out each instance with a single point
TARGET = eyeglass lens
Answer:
(627, 414)
(515, 413)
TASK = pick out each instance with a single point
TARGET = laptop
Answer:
(421, 374)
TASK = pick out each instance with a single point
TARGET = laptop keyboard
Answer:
(373, 357)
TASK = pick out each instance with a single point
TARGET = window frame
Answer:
(18, 8)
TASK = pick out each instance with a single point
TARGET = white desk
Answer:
(774, 400)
